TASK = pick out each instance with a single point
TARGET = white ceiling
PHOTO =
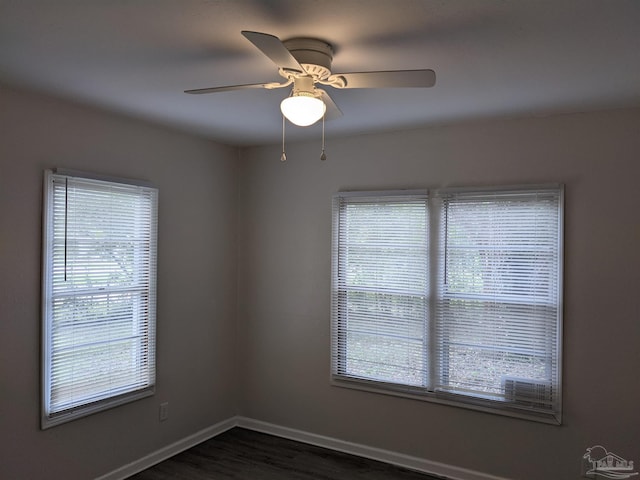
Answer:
(491, 57)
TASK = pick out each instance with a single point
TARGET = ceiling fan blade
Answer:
(198, 91)
(391, 79)
(273, 48)
(332, 109)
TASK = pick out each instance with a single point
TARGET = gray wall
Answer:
(197, 180)
(284, 269)
(246, 227)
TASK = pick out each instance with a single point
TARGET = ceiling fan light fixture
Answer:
(303, 109)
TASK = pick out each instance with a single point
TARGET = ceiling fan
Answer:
(305, 63)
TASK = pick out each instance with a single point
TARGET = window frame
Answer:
(488, 403)
(108, 398)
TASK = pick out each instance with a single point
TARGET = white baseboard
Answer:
(449, 472)
(170, 450)
(413, 463)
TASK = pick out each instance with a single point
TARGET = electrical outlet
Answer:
(164, 411)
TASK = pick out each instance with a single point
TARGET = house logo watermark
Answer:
(606, 464)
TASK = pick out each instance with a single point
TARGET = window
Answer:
(381, 288)
(99, 282)
(453, 297)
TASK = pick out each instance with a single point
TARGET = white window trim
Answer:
(49, 419)
(488, 404)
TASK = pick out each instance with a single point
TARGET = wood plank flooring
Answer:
(249, 455)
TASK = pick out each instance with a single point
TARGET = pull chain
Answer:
(66, 223)
(283, 157)
(323, 156)
(446, 241)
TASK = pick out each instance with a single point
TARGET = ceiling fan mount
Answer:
(315, 57)
(312, 54)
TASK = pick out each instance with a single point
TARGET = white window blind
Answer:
(498, 303)
(463, 309)
(99, 295)
(380, 287)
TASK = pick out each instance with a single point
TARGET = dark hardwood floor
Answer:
(248, 455)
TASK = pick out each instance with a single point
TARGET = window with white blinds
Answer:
(454, 298)
(380, 287)
(99, 295)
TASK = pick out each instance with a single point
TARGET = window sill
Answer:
(48, 421)
(486, 405)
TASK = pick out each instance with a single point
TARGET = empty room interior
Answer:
(266, 308)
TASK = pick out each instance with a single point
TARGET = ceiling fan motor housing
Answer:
(313, 54)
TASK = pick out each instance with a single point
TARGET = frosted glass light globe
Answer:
(303, 110)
